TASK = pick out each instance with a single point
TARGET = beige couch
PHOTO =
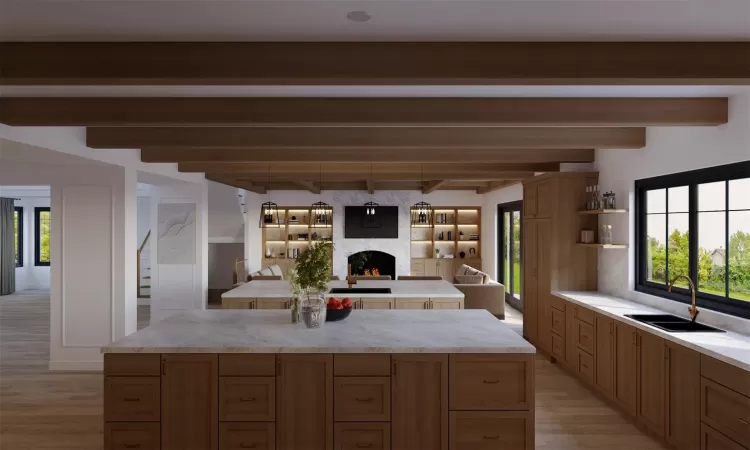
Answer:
(480, 291)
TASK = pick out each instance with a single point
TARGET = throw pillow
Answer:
(276, 270)
(468, 279)
(266, 271)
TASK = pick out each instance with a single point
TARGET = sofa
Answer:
(480, 291)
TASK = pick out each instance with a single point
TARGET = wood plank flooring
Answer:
(42, 410)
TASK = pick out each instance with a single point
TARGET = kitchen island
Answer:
(227, 379)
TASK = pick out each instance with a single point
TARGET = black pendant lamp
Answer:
(371, 220)
(421, 212)
(269, 211)
(321, 213)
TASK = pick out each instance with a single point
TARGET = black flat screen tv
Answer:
(386, 221)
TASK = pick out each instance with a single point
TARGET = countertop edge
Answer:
(292, 350)
(672, 337)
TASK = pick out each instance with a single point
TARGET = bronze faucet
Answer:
(693, 309)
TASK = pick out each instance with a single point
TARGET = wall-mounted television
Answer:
(386, 221)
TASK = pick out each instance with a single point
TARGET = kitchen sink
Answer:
(673, 324)
(355, 291)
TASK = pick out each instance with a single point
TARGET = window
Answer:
(509, 240)
(18, 235)
(696, 224)
(41, 243)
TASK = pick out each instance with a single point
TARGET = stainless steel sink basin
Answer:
(673, 324)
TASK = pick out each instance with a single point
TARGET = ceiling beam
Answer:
(370, 185)
(464, 138)
(267, 111)
(374, 63)
(241, 184)
(331, 155)
(448, 174)
(309, 185)
(432, 186)
(363, 171)
(494, 186)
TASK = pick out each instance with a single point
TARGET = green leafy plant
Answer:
(313, 268)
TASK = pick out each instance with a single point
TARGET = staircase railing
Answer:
(140, 251)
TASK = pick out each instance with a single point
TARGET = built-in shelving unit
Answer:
(450, 222)
(294, 232)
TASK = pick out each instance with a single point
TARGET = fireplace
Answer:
(372, 259)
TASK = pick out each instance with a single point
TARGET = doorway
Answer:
(509, 249)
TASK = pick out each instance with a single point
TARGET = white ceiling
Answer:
(215, 20)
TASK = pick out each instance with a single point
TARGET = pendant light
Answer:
(269, 211)
(371, 219)
(321, 213)
(421, 213)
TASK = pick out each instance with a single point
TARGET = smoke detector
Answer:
(358, 16)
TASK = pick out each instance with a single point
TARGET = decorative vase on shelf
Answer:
(437, 253)
(268, 252)
(462, 254)
(273, 253)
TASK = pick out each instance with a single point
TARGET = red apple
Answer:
(338, 306)
(347, 303)
(334, 304)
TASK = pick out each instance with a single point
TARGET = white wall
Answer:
(400, 248)
(490, 224)
(225, 221)
(668, 150)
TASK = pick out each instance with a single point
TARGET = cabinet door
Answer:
(190, 401)
(683, 384)
(304, 407)
(445, 269)
(412, 303)
(419, 404)
(272, 303)
(529, 295)
(431, 267)
(417, 267)
(530, 200)
(626, 367)
(543, 233)
(651, 376)
(545, 199)
(377, 303)
(446, 303)
(604, 375)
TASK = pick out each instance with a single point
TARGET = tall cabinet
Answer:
(551, 258)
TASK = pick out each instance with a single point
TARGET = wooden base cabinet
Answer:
(626, 367)
(683, 401)
(491, 430)
(651, 382)
(362, 435)
(604, 374)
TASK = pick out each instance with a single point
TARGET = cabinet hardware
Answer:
(132, 445)
(132, 399)
(584, 366)
(164, 366)
(360, 445)
(247, 399)
(743, 420)
(364, 399)
(490, 382)
(243, 445)
(491, 437)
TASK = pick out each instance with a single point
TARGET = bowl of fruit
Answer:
(338, 309)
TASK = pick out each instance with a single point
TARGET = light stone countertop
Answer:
(731, 348)
(399, 289)
(364, 331)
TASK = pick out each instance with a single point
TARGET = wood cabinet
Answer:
(544, 331)
(273, 303)
(651, 380)
(446, 303)
(412, 303)
(491, 430)
(304, 402)
(604, 374)
(626, 367)
(683, 379)
(429, 303)
(247, 435)
(136, 435)
(713, 440)
(419, 414)
(375, 303)
(538, 199)
(190, 401)
(362, 435)
(362, 399)
(529, 280)
(491, 382)
(247, 399)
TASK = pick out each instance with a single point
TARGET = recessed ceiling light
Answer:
(358, 16)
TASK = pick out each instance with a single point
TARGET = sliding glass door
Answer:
(509, 248)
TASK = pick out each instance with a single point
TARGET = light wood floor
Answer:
(42, 410)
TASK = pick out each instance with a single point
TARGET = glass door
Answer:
(509, 248)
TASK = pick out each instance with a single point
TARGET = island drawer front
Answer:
(726, 410)
(249, 435)
(491, 430)
(132, 399)
(374, 365)
(713, 440)
(583, 314)
(727, 375)
(359, 436)
(362, 399)
(247, 399)
(585, 366)
(558, 347)
(584, 336)
(247, 365)
(132, 365)
(491, 382)
(558, 321)
(130, 436)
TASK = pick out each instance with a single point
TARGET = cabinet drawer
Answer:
(247, 399)
(132, 365)
(358, 436)
(244, 436)
(361, 365)
(727, 375)
(491, 382)
(129, 436)
(584, 336)
(585, 366)
(362, 399)
(479, 430)
(726, 411)
(132, 399)
(583, 314)
(558, 347)
(713, 440)
(558, 321)
(247, 365)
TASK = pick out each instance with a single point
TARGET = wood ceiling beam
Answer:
(375, 63)
(241, 184)
(494, 186)
(228, 111)
(464, 138)
(400, 176)
(309, 185)
(433, 186)
(353, 155)
(363, 171)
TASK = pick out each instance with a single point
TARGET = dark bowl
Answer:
(334, 315)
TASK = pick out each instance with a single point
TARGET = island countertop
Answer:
(399, 289)
(364, 331)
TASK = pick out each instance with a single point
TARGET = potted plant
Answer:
(309, 279)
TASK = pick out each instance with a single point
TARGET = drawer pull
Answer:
(743, 420)
(584, 366)
(364, 399)
(132, 399)
(247, 399)
(132, 445)
(490, 382)
(491, 437)
(243, 445)
(361, 445)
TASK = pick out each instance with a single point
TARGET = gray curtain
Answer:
(7, 247)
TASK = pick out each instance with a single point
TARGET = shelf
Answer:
(275, 242)
(604, 211)
(602, 245)
(468, 242)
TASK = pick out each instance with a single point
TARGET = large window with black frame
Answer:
(42, 222)
(18, 235)
(696, 224)
(509, 248)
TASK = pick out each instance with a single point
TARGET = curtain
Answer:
(7, 247)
